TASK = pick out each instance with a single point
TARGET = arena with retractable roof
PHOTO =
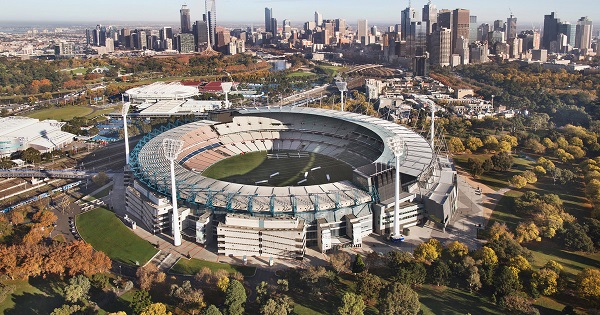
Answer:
(271, 181)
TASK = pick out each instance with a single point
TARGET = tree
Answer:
(474, 144)
(31, 155)
(457, 250)
(148, 275)
(473, 278)
(66, 309)
(192, 299)
(340, 261)
(518, 181)
(352, 304)
(212, 310)
(588, 283)
(440, 273)
(487, 165)
(490, 143)
(503, 161)
(281, 305)
(262, 291)
(140, 301)
(546, 281)
(516, 304)
(539, 170)
(519, 262)
(368, 285)
(507, 281)
(425, 252)
(359, 265)
(398, 299)
(576, 238)
(455, 145)
(156, 309)
(530, 177)
(475, 166)
(527, 232)
(78, 289)
(223, 283)
(235, 298)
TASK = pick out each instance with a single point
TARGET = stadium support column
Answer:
(171, 149)
(124, 111)
(398, 147)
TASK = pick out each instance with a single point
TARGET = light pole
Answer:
(171, 149)
(398, 147)
(124, 111)
(226, 86)
(343, 87)
(493, 101)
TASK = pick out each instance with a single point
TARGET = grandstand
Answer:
(299, 214)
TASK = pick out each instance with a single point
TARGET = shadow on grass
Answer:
(444, 300)
(571, 260)
(43, 301)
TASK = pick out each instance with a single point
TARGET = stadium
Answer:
(271, 181)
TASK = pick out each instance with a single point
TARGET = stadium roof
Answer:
(162, 91)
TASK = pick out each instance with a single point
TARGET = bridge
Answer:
(362, 68)
(66, 174)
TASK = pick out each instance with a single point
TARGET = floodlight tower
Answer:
(226, 86)
(343, 87)
(124, 111)
(432, 135)
(398, 147)
(171, 149)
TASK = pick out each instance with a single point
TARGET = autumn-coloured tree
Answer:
(148, 275)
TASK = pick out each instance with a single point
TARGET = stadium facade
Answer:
(261, 220)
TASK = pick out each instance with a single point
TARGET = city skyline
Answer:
(528, 12)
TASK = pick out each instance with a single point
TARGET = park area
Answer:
(69, 112)
(105, 232)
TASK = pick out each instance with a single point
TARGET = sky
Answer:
(381, 11)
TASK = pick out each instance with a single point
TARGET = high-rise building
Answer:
(211, 21)
(430, 13)
(318, 18)
(511, 28)
(441, 40)
(268, 17)
(472, 29)
(499, 25)
(409, 15)
(550, 30)
(583, 36)
(569, 30)
(483, 32)
(363, 32)
(460, 25)
(444, 19)
(201, 35)
(186, 21)
(186, 43)
(340, 26)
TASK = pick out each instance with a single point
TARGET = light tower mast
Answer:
(171, 149)
(124, 112)
(398, 147)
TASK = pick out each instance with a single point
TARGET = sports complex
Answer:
(271, 181)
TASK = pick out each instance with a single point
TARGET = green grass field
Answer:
(36, 296)
(62, 113)
(106, 233)
(301, 75)
(255, 166)
(193, 266)
(443, 300)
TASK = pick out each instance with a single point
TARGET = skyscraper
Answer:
(409, 15)
(460, 25)
(441, 47)
(550, 30)
(472, 29)
(186, 21)
(363, 29)
(430, 13)
(318, 18)
(511, 28)
(583, 33)
(569, 30)
(268, 17)
(211, 21)
(444, 19)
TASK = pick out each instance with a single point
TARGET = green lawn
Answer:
(573, 262)
(36, 296)
(100, 112)
(495, 180)
(448, 301)
(255, 166)
(503, 212)
(106, 233)
(193, 266)
(300, 74)
(61, 113)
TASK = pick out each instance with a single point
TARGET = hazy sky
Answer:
(388, 11)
